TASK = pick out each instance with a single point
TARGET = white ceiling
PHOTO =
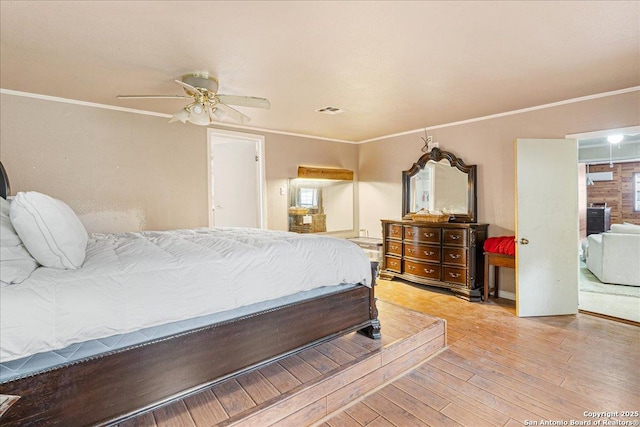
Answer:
(394, 66)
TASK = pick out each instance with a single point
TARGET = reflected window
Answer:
(308, 197)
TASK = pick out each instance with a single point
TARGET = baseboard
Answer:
(507, 295)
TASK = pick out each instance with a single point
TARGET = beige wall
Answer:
(124, 172)
(488, 144)
(119, 171)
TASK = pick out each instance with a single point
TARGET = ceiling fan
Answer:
(207, 106)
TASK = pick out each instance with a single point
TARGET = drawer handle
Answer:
(429, 253)
(455, 275)
(428, 234)
(410, 250)
(454, 256)
(411, 267)
(454, 237)
(394, 247)
(429, 271)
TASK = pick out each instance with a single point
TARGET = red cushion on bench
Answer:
(505, 245)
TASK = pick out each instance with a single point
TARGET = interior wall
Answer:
(490, 145)
(118, 171)
(617, 193)
(122, 171)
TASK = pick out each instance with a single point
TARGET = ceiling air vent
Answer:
(330, 110)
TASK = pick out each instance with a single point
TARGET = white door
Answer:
(236, 179)
(546, 227)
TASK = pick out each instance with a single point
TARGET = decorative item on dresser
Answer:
(423, 247)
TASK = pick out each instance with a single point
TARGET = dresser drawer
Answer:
(428, 253)
(422, 234)
(456, 256)
(454, 275)
(392, 264)
(455, 237)
(430, 271)
(394, 247)
(394, 231)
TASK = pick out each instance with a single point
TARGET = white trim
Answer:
(153, 113)
(510, 113)
(256, 129)
(507, 295)
(262, 180)
(83, 103)
(603, 133)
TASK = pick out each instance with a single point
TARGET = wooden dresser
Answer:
(448, 255)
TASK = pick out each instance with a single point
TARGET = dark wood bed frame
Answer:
(114, 386)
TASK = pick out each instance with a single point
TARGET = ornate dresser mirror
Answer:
(422, 248)
(440, 181)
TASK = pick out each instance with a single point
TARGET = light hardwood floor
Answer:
(500, 370)
(304, 387)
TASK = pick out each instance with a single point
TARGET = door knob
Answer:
(524, 241)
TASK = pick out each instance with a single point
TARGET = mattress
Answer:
(132, 281)
(39, 362)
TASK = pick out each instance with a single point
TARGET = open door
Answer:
(546, 227)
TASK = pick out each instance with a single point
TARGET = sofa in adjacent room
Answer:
(614, 256)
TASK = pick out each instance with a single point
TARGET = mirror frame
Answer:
(436, 155)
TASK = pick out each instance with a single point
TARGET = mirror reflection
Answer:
(320, 205)
(439, 187)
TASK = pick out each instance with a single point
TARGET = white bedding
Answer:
(135, 280)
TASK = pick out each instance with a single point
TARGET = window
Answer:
(308, 197)
(636, 191)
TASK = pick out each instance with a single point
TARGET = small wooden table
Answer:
(497, 260)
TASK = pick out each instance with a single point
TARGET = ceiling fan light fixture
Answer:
(198, 115)
(218, 113)
(207, 105)
(182, 116)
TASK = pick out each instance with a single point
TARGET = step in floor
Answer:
(305, 387)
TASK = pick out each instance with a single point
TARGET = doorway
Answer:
(606, 161)
(236, 179)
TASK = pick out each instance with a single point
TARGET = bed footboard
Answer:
(115, 386)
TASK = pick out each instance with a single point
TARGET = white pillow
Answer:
(16, 263)
(49, 229)
(625, 228)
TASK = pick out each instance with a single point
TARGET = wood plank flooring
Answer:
(304, 387)
(500, 370)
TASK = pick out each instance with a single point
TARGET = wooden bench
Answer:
(497, 261)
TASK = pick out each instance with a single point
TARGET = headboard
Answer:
(5, 188)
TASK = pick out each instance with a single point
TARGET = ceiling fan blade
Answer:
(233, 113)
(153, 97)
(190, 89)
(244, 101)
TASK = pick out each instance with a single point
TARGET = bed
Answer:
(223, 301)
